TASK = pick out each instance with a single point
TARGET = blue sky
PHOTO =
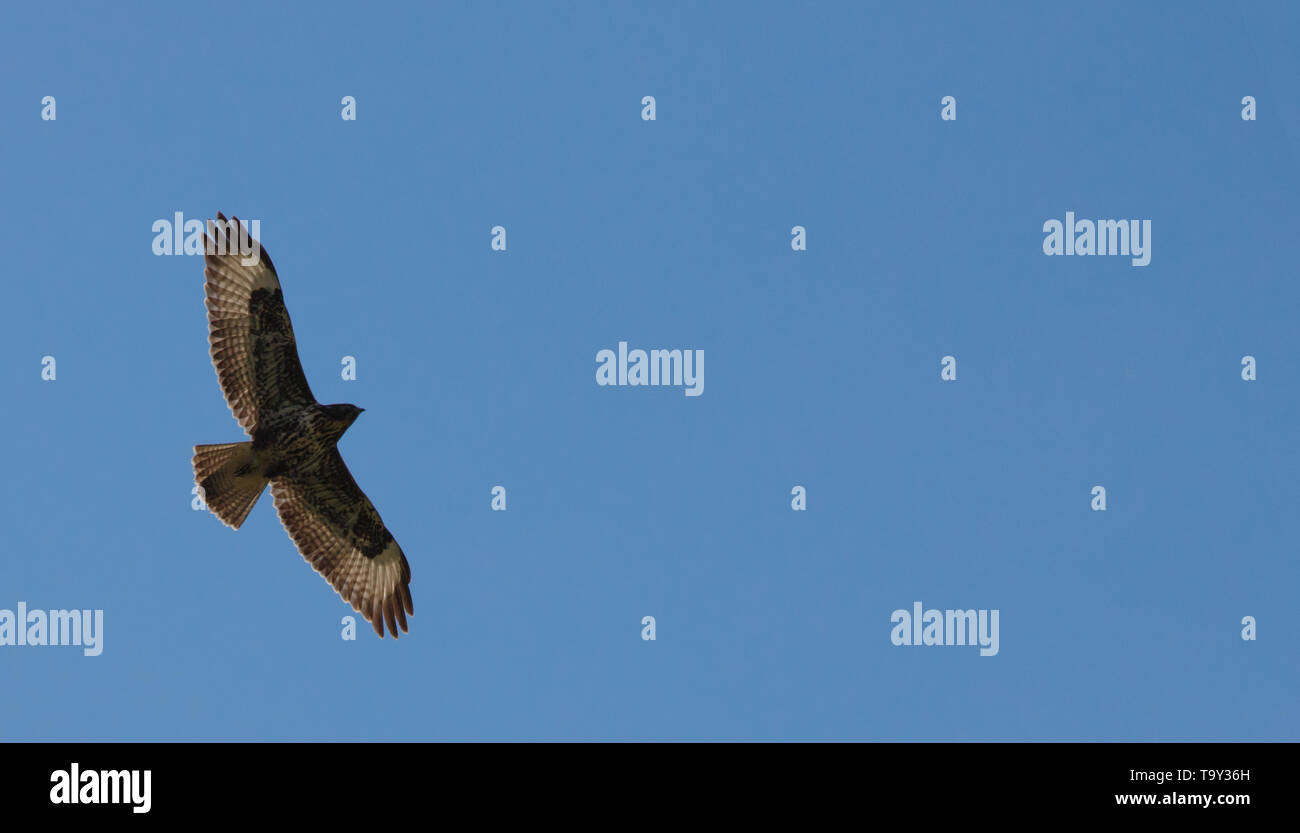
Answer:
(477, 368)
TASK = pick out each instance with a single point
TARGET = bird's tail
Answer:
(228, 479)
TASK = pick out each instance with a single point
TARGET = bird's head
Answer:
(343, 415)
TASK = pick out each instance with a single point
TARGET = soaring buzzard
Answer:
(295, 439)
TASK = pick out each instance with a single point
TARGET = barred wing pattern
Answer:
(339, 532)
(249, 333)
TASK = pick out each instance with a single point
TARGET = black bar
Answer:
(334, 782)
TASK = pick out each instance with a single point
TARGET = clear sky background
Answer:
(477, 368)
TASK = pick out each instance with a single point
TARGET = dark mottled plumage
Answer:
(294, 439)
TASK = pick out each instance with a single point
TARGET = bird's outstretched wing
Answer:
(341, 535)
(249, 333)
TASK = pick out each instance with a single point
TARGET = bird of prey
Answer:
(294, 443)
